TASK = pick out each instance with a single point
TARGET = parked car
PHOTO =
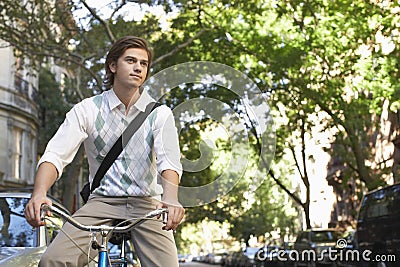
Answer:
(196, 258)
(20, 245)
(181, 257)
(218, 258)
(232, 259)
(246, 258)
(346, 250)
(208, 257)
(378, 226)
(312, 245)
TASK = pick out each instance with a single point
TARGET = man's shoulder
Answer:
(159, 107)
(162, 113)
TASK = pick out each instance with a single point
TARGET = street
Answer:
(196, 264)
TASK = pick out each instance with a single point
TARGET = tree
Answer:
(315, 58)
(53, 107)
(341, 76)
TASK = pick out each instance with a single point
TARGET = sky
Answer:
(130, 11)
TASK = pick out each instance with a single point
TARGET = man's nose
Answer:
(137, 67)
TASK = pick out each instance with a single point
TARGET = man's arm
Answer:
(45, 177)
(170, 181)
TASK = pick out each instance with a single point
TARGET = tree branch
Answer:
(118, 8)
(283, 187)
(179, 47)
(103, 22)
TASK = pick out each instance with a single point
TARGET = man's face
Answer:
(131, 68)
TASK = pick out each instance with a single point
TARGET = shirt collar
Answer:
(140, 104)
(143, 101)
(113, 100)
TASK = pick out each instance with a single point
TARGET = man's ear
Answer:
(113, 67)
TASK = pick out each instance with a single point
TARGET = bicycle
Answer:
(105, 232)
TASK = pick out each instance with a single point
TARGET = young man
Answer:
(144, 177)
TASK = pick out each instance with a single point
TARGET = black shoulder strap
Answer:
(121, 143)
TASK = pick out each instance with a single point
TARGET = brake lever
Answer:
(42, 214)
(165, 217)
(44, 209)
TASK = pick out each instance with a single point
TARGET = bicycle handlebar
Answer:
(116, 229)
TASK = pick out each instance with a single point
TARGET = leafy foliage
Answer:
(53, 107)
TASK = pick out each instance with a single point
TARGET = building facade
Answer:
(385, 146)
(18, 119)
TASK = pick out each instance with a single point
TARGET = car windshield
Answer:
(324, 236)
(15, 231)
(381, 203)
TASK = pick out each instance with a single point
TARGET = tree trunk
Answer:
(306, 208)
(363, 170)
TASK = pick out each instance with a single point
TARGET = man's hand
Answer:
(170, 201)
(45, 177)
(175, 214)
(33, 209)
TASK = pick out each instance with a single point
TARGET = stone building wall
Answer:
(18, 120)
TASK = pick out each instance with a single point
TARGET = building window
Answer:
(17, 152)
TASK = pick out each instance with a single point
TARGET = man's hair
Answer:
(119, 48)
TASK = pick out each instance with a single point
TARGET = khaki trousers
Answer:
(154, 246)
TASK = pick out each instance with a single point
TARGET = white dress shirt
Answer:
(98, 122)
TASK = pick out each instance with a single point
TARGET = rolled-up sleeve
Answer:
(166, 143)
(63, 146)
